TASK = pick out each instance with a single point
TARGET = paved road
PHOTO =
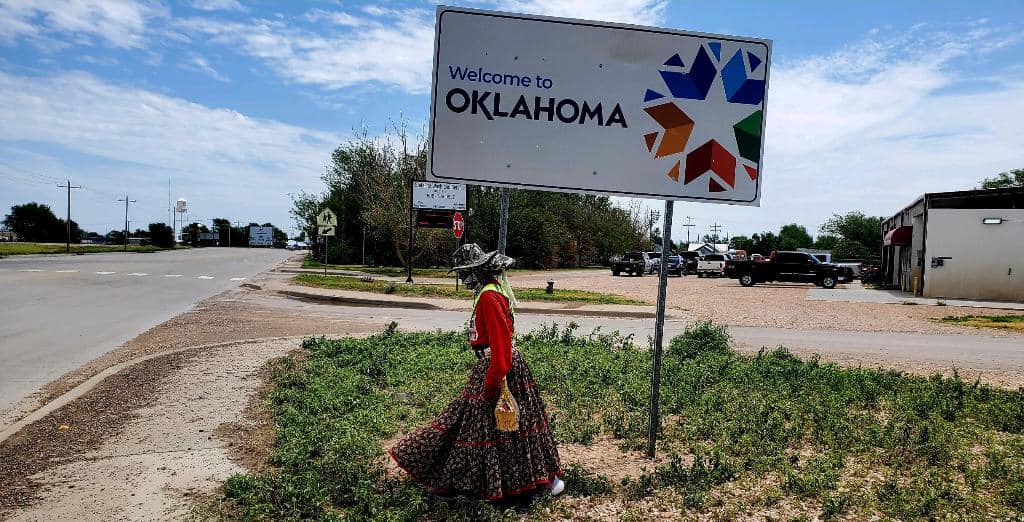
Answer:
(999, 357)
(60, 312)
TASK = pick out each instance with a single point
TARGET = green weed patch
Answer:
(1008, 322)
(847, 442)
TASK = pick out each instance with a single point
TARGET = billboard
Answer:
(570, 105)
(261, 236)
(427, 195)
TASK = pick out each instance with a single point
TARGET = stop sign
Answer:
(458, 225)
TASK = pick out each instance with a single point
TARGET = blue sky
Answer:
(870, 104)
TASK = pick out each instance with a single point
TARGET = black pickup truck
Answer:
(796, 267)
(632, 263)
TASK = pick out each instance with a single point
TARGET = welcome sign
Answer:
(570, 105)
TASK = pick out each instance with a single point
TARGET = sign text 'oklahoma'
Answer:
(555, 104)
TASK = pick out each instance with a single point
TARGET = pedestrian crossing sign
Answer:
(327, 217)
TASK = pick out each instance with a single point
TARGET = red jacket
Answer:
(493, 328)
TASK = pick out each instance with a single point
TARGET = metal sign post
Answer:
(659, 332)
(327, 224)
(557, 104)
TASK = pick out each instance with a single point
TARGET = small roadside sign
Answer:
(327, 217)
(428, 195)
(458, 225)
(326, 230)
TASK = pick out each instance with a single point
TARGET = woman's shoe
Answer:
(557, 486)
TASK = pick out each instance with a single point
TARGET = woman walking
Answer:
(493, 441)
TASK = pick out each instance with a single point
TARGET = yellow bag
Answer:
(506, 413)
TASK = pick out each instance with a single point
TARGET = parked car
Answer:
(796, 267)
(713, 265)
(632, 263)
(675, 265)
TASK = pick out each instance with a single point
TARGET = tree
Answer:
(860, 236)
(161, 235)
(35, 222)
(793, 236)
(825, 242)
(764, 243)
(741, 243)
(115, 237)
(1010, 178)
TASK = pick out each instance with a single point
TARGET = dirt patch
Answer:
(778, 305)
(604, 457)
(143, 446)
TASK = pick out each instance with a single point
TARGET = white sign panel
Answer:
(326, 230)
(261, 236)
(438, 196)
(557, 104)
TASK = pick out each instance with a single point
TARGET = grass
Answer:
(399, 271)
(1008, 322)
(393, 271)
(744, 432)
(12, 249)
(522, 294)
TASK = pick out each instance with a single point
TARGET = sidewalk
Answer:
(370, 299)
(855, 293)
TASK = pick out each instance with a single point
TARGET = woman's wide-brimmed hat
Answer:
(471, 255)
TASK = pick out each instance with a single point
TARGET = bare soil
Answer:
(778, 305)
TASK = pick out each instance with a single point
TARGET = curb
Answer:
(83, 388)
(418, 305)
(360, 301)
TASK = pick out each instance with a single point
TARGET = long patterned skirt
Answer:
(462, 451)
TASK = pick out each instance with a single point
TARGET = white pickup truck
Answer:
(712, 265)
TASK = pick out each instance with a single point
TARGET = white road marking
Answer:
(31, 270)
(238, 279)
(172, 275)
(66, 271)
(106, 273)
(138, 274)
(205, 277)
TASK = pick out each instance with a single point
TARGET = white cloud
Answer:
(394, 54)
(202, 65)
(117, 23)
(874, 125)
(218, 5)
(640, 12)
(229, 163)
(381, 45)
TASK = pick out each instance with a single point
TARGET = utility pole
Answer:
(69, 186)
(126, 202)
(715, 229)
(689, 224)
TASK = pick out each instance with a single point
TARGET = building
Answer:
(967, 244)
(708, 248)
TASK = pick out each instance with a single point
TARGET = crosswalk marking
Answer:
(205, 277)
(66, 271)
(31, 270)
(138, 274)
(238, 279)
(106, 273)
(172, 275)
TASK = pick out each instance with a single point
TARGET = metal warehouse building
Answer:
(967, 245)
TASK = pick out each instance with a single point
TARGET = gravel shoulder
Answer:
(774, 305)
